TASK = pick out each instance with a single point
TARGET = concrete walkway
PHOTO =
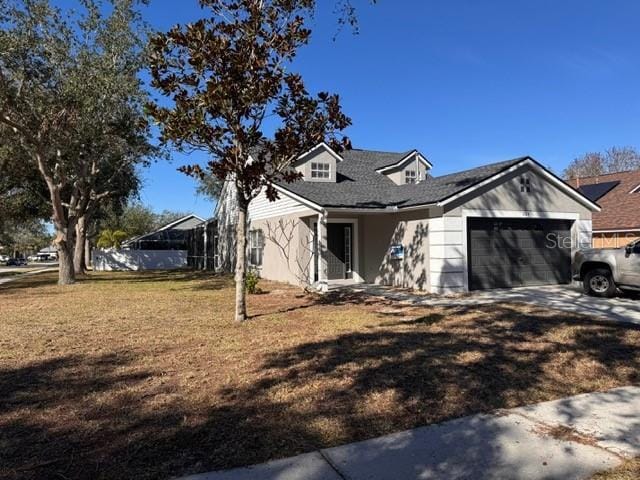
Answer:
(565, 439)
(567, 298)
(29, 272)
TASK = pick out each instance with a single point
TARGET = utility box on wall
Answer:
(396, 252)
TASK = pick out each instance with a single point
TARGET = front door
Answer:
(339, 248)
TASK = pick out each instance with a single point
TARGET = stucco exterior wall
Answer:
(380, 232)
(288, 248)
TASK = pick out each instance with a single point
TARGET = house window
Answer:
(525, 185)
(635, 190)
(410, 176)
(320, 170)
(256, 247)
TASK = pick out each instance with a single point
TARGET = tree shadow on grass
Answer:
(108, 417)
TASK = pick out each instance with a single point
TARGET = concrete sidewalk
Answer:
(565, 439)
(29, 272)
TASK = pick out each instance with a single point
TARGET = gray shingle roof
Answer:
(358, 185)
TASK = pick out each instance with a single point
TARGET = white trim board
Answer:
(627, 230)
(329, 150)
(406, 159)
(520, 214)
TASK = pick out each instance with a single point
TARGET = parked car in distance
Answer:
(603, 271)
(16, 262)
(4, 258)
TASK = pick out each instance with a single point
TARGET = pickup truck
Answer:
(603, 271)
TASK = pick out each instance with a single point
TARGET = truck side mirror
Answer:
(628, 249)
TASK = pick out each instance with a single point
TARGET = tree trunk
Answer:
(79, 266)
(241, 262)
(87, 252)
(64, 245)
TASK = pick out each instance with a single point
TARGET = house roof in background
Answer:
(186, 223)
(620, 205)
(596, 191)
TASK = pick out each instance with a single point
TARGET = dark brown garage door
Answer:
(507, 253)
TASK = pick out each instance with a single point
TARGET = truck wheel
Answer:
(599, 283)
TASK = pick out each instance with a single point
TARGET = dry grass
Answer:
(629, 470)
(146, 375)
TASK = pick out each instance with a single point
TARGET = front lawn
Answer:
(146, 375)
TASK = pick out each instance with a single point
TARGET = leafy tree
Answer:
(24, 235)
(111, 238)
(223, 76)
(168, 216)
(71, 99)
(209, 187)
(137, 219)
(613, 160)
(23, 193)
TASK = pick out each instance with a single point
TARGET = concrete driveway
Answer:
(568, 298)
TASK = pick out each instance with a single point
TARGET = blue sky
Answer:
(466, 82)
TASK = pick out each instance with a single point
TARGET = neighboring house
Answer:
(377, 217)
(619, 196)
(47, 253)
(172, 236)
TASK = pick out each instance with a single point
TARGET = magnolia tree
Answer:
(222, 78)
(71, 100)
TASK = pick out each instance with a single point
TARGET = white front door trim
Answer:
(355, 261)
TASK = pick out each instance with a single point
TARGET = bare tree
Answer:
(613, 160)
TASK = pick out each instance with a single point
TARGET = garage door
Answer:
(507, 253)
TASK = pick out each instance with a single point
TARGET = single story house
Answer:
(47, 253)
(172, 236)
(379, 217)
(618, 194)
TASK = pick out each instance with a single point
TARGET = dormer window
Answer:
(635, 190)
(410, 176)
(320, 170)
(525, 184)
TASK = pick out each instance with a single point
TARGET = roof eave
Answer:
(393, 166)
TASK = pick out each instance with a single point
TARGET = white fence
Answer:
(115, 260)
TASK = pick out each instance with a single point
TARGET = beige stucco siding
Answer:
(382, 231)
(287, 255)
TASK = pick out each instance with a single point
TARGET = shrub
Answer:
(251, 282)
